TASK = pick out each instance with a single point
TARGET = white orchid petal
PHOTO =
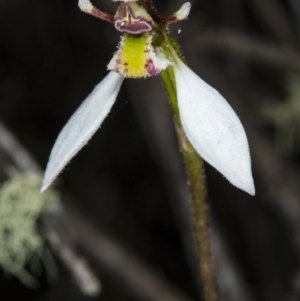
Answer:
(82, 125)
(213, 128)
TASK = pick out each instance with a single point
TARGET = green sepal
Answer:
(168, 78)
(171, 48)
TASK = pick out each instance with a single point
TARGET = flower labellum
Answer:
(146, 50)
(136, 57)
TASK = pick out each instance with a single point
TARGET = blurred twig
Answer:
(57, 235)
(137, 278)
(274, 17)
(19, 155)
(249, 48)
(23, 161)
(232, 284)
(295, 8)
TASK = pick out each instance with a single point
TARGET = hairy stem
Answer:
(197, 184)
(152, 10)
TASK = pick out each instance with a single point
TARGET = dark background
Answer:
(129, 181)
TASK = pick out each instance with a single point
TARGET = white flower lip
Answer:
(213, 128)
(82, 125)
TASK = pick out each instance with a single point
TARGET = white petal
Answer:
(213, 128)
(82, 125)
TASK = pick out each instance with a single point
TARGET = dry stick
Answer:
(275, 18)
(139, 280)
(295, 10)
(58, 236)
(232, 283)
(20, 156)
(80, 270)
(249, 48)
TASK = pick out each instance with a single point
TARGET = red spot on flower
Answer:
(151, 68)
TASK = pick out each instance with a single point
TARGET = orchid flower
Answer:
(209, 122)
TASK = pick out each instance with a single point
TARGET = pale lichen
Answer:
(22, 243)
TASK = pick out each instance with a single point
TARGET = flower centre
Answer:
(136, 57)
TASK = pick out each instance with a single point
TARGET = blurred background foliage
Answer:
(283, 115)
(129, 181)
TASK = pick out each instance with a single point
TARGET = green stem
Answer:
(197, 184)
